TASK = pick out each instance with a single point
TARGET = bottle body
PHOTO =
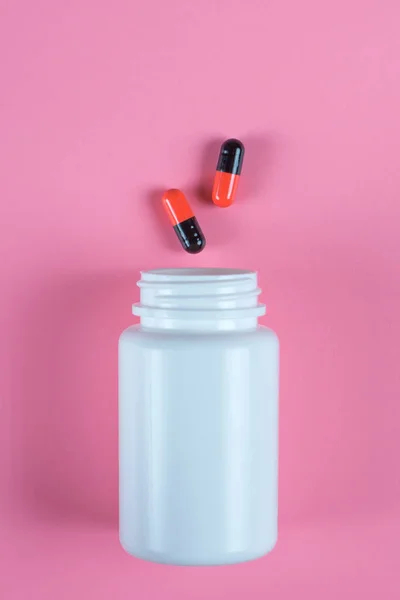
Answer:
(198, 418)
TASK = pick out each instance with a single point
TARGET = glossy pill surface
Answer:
(229, 168)
(183, 221)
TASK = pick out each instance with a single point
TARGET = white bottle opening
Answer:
(199, 300)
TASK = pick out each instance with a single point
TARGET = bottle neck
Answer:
(199, 300)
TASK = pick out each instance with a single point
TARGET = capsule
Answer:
(184, 222)
(227, 177)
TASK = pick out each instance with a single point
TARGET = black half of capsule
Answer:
(190, 235)
(231, 156)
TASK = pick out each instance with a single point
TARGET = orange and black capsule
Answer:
(184, 222)
(229, 168)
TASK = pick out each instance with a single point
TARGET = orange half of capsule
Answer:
(176, 206)
(224, 188)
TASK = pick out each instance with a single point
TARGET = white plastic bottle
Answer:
(198, 385)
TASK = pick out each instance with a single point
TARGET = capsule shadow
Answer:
(259, 162)
(208, 163)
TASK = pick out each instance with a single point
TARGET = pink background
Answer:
(103, 105)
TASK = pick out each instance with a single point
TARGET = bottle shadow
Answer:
(69, 396)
